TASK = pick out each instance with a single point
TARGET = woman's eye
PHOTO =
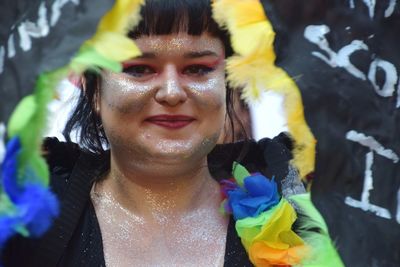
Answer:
(197, 70)
(139, 70)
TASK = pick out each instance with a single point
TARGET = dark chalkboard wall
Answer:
(345, 57)
(55, 30)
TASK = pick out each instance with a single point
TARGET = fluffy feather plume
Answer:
(26, 208)
(323, 251)
(110, 46)
(244, 20)
(122, 17)
(253, 69)
(28, 122)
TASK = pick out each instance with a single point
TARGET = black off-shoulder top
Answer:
(75, 237)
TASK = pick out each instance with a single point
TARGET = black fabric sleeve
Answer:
(71, 182)
(61, 158)
(268, 156)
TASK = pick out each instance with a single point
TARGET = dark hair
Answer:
(159, 17)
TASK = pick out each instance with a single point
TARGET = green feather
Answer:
(28, 122)
(22, 114)
(6, 206)
(39, 167)
(89, 58)
(239, 172)
(323, 250)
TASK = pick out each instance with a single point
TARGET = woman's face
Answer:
(169, 103)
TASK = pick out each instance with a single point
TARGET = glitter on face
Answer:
(127, 100)
(169, 44)
(120, 87)
(200, 91)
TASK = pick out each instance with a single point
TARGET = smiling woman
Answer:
(158, 109)
(143, 186)
(156, 116)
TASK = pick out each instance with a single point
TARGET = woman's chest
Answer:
(193, 239)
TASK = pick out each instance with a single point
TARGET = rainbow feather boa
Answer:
(264, 222)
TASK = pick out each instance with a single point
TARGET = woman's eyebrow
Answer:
(197, 54)
(146, 55)
(192, 54)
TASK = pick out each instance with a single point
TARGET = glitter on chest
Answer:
(130, 240)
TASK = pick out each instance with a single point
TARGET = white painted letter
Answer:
(29, 29)
(398, 96)
(56, 9)
(389, 11)
(371, 7)
(2, 58)
(316, 34)
(398, 207)
(10, 46)
(376, 147)
(390, 73)
(372, 144)
(343, 58)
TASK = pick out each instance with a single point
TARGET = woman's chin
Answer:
(167, 151)
(179, 151)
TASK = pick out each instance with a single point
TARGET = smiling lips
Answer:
(171, 121)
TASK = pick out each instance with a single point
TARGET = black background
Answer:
(76, 24)
(336, 102)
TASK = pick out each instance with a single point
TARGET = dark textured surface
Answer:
(336, 102)
(76, 24)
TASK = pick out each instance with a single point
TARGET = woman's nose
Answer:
(171, 90)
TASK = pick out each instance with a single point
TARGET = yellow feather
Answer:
(121, 17)
(110, 42)
(254, 70)
(114, 46)
(257, 68)
(245, 20)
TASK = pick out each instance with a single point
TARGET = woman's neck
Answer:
(153, 220)
(162, 193)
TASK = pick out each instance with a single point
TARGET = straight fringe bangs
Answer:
(160, 17)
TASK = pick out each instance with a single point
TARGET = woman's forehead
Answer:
(180, 44)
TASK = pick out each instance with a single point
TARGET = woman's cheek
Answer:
(209, 94)
(120, 94)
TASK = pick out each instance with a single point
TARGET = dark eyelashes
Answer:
(138, 70)
(196, 70)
